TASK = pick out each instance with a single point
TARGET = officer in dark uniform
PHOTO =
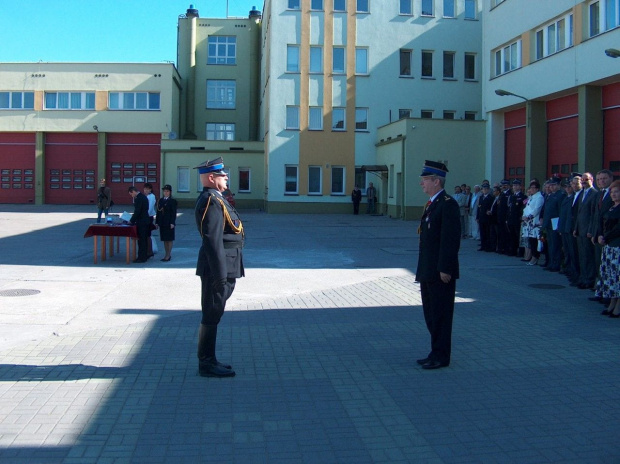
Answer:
(551, 216)
(220, 261)
(438, 263)
(483, 216)
(516, 203)
(503, 236)
(141, 219)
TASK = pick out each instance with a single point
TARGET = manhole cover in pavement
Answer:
(19, 292)
(548, 286)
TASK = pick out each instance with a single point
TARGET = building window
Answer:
(338, 60)
(292, 58)
(470, 9)
(293, 4)
(337, 180)
(133, 101)
(470, 115)
(508, 58)
(448, 114)
(220, 131)
(314, 180)
(427, 64)
(338, 121)
(362, 6)
(405, 63)
(426, 114)
(316, 59)
(554, 37)
(315, 118)
(361, 119)
(290, 180)
(427, 7)
(183, 173)
(448, 9)
(448, 65)
(73, 100)
(404, 113)
(292, 117)
(470, 66)
(603, 16)
(221, 94)
(244, 180)
(17, 100)
(361, 61)
(316, 4)
(222, 50)
(340, 5)
(405, 7)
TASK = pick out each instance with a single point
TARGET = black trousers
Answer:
(213, 301)
(485, 235)
(438, 305)
(143, 238)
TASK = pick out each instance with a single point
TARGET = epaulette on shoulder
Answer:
(448, 198)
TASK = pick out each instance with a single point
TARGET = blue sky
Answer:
(100, 30)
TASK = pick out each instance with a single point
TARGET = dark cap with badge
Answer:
(434, 168)
(574, 174)
(505, 182)
(215, 166)
(554, 180)
(516, 182)
(485, 185)
(167, 187)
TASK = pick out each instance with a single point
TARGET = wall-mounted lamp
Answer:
(506, 93)
(96, 128)
(612, 53)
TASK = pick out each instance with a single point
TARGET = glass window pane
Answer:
(337, 180)
(338, 122)
(405, 62)
(448, 8)
(427, 64)
(448, 65)
(141, 101)
(361, 61)
(361, 118)
(470, 66)
(611, 20)
(316, 5)
(316, 59)
(292, 58)
(292, 117)
(290, 179)
(551, 39)
(427, 7)
(90, 101)
(16, 100)
(594, 19)
(362, 6)
(128, 101)
(4, 99)
(293, 4)
(114, 99)
(315, 118)
(76, 101)
(338, 60)
(470, 9)
(314, 179)
(63, 100)
(405, 7)
(540, 44)
(50, 100)
(339, 5)
(153, 101)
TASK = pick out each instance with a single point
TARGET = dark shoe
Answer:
(526, 260)
(211, 368)
(423, 361)
(139, 260)
(607, 312)
(604, 301)
(433, 365)
(614, 316)
(166, 260)
(150, 256)
(594, 298)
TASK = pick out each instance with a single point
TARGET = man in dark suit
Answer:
(438, 265)
(484, 217)
(604, 178)
(551, 216)
(502, 217)
(513, 220)
(585, 217)
(220, 261)
(565, 229)
(141, 219)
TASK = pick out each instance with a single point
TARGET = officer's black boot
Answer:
(208, 365)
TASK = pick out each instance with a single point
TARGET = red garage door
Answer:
(611, 141)
(17, 154)
(562, 131)
(132, 159)
(70, 168)
(514, 143)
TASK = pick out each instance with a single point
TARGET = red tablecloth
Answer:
(111, 231)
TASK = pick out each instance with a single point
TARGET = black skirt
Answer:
(166, 234)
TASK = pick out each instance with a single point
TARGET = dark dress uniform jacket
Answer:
(166, 216)
(440, 239)
(515, 208)
(221, 253)
(140, 214)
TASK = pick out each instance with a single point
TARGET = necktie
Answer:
(600, 198)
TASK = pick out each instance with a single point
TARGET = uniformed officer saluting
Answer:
(438, 264)
(220, 261)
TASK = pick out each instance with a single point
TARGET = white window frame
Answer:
(315, 169)
(316, 59)
(222, 50)
(362, 6)
(471, 6)
(292, 58)
(315, 118)
(339, 114)
(451, 57)
(405, 8)
(220, 131)
(404, 113)
(361, 61)
(507, 58)
(292, 117)
(288, 178)
(550, 40)
(249, 189)
(361, 119)
(127, 101)
(85, 101)
(428, 8)
(607, 16)
(422, 55)
(342, 179)
(221, 94)
(339, 62)
(338, 8)
(405, 55)
(469, 55)
(294, 5)
(446, 6)
(17, 100)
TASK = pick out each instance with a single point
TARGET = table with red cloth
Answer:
(107, 230)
